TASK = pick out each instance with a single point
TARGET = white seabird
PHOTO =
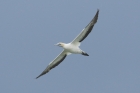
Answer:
(72, 47)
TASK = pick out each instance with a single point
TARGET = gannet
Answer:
(72, 47)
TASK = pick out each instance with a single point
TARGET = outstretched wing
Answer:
(54, 63)
(86, 30)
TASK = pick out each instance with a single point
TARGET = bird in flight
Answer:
(72, 47)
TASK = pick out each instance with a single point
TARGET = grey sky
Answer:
(30, 28)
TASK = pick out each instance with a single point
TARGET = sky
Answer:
(30, 28)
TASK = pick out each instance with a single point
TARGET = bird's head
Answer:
(60, 44)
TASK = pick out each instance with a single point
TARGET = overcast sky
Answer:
(30, 28)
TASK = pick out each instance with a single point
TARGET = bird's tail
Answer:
(85, 54)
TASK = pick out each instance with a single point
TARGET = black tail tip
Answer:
(85, 54)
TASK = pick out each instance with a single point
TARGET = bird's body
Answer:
(72, 47)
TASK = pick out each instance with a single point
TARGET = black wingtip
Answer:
(43, 73)
(38, 76)
(96, 16)
(97, 13)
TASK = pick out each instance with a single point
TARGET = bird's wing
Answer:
(54, 63)
(85, 31)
